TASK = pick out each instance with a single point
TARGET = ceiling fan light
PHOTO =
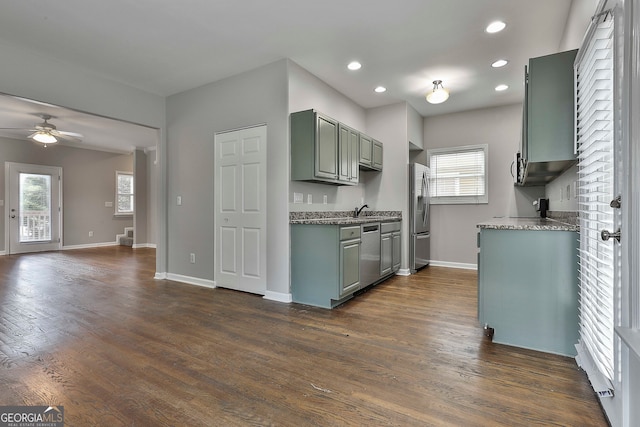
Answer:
(439, 94)
(45, 138)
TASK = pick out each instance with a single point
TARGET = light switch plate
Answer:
(179, 200)
(309, 199)
(108, 204)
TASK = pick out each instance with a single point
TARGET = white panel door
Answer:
(240, 210)
(35, 207)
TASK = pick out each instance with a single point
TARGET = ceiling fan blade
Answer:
(71, 134)
(22, 129)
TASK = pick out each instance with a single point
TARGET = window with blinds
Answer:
(458, 175)
(595, 143)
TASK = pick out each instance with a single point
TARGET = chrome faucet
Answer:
(357, 211)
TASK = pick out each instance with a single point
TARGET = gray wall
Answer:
(389, 190)
(141, 195)
(193, 117)
(152, 197)
(453, 227)
(89, 180)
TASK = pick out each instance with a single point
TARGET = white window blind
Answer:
(594, 77)
(459, 174)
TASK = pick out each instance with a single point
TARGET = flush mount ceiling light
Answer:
(501, 88)
(439, 94)
(500, 63)
(495, 27)
(354, 65)
(44, 137)
(380, 89)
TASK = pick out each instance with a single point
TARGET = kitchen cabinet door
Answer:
(396, 251)
(386, 254)
(377, 155)
(550, 108)
(326, 148)
(348, 155)
(349, 267)
(366, 151)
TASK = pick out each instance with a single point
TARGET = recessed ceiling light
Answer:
(495, 27)
(500, 88)
(500, 63)
(380, 89)
(354, 65)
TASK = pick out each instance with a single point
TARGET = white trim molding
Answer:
(404, 272)
(448, 264)
(278, 296)
(89, 246)
(144, 245)
(191, 280)
(160, 276)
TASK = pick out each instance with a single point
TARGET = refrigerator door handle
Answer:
(425, 198)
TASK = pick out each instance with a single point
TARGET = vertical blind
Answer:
(594, 83)
(458, 172)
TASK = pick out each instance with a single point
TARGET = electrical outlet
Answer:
(179, 200)
(309, 199)
(324, 199)
(192, 258)
(297, 197)
(91, 234)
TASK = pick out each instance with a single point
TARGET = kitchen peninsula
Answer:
(528, 282)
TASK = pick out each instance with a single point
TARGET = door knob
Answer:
(606, 235)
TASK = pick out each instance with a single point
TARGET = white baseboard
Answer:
(191, 280)
(404, 272)
(2, 253)
(160, 276)
(144, 245)
(278, 296)
(89, 245)
(448, 264)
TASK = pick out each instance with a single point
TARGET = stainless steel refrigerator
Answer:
(419, 250)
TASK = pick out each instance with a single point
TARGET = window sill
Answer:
(631, 337)
(123, 215)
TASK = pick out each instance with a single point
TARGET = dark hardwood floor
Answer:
(93, 331)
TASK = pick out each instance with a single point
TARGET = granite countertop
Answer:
(343, 217)
(532, 223)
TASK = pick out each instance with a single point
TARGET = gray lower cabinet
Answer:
(528, 288)
(390, 247)
(325, 263)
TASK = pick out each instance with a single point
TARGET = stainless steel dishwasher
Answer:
(370, 254)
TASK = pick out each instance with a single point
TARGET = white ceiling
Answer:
(166, 47)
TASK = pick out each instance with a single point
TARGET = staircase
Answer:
(126, 239)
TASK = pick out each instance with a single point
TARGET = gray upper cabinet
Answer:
(366, 151)
(370, 153)
(322, 150)
(377, 155)
(550, 109)
(349, 152)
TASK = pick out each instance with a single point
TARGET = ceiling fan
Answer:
(47, 133)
